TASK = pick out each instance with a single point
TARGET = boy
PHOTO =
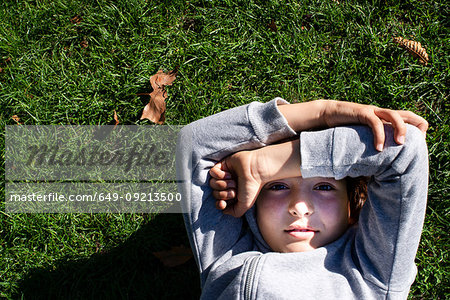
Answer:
(300, 240)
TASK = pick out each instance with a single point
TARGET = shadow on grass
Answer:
(128, 271)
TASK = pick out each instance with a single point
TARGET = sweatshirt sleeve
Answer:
(391, 220)
(201, 145)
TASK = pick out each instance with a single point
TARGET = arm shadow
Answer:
(127, 271)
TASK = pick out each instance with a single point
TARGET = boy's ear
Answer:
(351, 220)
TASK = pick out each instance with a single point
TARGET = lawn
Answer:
(76, 62)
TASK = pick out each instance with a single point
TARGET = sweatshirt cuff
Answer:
(316, 153)
(268, 122)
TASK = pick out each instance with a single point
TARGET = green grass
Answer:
(227, 56)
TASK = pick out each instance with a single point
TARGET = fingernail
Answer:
(401, 139)
(380, 147)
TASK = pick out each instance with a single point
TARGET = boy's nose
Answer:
(301, 207)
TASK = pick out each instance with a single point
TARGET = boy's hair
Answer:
(357, 195)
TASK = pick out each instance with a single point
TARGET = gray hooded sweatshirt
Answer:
(373, 259)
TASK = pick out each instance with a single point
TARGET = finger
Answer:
(415, 120)
(374, 122)
(221, 204)
(219, 171)
(224, 195)
(396, 121)
(218, 184)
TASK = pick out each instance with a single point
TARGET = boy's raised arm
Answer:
(330, 113)
(252, 169)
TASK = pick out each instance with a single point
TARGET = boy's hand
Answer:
(330, 113)
(343, 113)
(226, 189)
(237, 180)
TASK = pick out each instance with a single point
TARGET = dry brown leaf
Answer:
(273, 26)
(98, 247)
(76, 20)
(116, 119)
(84, 44)
(176, 256)
(156, 107)
(414, 48)
(16, 119)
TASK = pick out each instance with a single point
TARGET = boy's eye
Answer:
(324, 187)
(278, 187)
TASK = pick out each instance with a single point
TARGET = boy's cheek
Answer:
(269, 204)
(336, 213)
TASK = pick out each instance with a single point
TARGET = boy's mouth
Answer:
(302, 233)
(297, 228)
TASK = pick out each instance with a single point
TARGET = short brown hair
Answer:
(357, 195)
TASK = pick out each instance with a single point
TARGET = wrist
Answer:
(277, 161)
(307, 115)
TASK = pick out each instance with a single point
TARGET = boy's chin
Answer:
(297, 247)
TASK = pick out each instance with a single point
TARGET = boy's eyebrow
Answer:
(282, 179)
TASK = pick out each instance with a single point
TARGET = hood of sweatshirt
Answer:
(259, 241)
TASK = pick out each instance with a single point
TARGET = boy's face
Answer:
(297, 214)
